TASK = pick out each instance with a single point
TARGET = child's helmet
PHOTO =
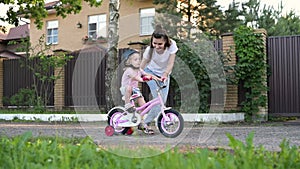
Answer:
(127, 53)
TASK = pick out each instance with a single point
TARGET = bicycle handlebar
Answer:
(159, 84)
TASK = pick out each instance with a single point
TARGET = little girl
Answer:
(129, 85)
(131, 77)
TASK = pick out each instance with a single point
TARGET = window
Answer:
(97, 26)
(146, 20)
(52, 32)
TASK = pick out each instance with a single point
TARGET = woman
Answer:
(158, 60)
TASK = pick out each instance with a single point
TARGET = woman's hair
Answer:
(158, 33)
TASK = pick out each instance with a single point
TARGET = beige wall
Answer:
(70, 37)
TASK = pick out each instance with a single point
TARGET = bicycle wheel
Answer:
(112, 118)
(171, 127)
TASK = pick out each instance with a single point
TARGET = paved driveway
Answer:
(269, 135)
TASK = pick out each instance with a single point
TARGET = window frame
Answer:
(99, 26)
(52, 25)
(146, 29)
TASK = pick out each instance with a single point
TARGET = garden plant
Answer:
(26, 151)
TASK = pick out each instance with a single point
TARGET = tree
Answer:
(44, 81)
(231, 19)
(268, 19)
(42, 65)
(205, 14)
(256, 15)
(112, 59)
(36, 10)
(286, 25)
(250, 13)
(175, 10)
(208, 15)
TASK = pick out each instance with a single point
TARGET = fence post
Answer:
(231, 97)
(1, 81)
(59, 89)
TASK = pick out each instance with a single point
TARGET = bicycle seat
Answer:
(134, 96)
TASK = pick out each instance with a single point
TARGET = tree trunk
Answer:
(112, 55)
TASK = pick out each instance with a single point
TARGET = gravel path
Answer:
(269, 135)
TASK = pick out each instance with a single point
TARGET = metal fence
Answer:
(84, 78)
(283, 58)
(284, 80)
(83, 82)
(17, 76)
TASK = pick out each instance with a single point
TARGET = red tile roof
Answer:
(19, 32)
(50, 5)
(9, 55)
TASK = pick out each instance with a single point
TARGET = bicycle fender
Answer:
(167, 108)
(117, 107)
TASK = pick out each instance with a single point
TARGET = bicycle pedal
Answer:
(134, 119)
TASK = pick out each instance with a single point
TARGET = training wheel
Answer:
(109, 130)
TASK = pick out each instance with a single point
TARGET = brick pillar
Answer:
(231, 102)
(59, 89)
(231, 98)
(1, 82)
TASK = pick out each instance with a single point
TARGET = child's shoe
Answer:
(129, 131)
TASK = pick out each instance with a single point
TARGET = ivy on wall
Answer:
(251, 69)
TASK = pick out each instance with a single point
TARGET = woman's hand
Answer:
(163, 79)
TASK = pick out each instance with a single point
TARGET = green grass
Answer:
(26, 151)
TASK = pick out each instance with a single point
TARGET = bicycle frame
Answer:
(169, 122)
(145, 108)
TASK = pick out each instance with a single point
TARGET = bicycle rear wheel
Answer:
(111, 120)
(171, 127)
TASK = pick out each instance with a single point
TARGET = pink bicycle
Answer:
(169, 122)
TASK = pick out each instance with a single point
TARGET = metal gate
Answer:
(284, 80)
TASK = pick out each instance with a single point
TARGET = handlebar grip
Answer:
(146, 78)
(160, 85)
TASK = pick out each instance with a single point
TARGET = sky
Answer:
(287, 4)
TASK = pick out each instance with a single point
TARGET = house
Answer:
(77, 31)
(16, 34)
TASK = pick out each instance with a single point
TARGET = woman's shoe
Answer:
(146, 129)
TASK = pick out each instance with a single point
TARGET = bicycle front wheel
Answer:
(171, 126)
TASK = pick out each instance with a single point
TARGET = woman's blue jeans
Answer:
(164, 93)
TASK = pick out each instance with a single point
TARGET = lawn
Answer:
(26, 151)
